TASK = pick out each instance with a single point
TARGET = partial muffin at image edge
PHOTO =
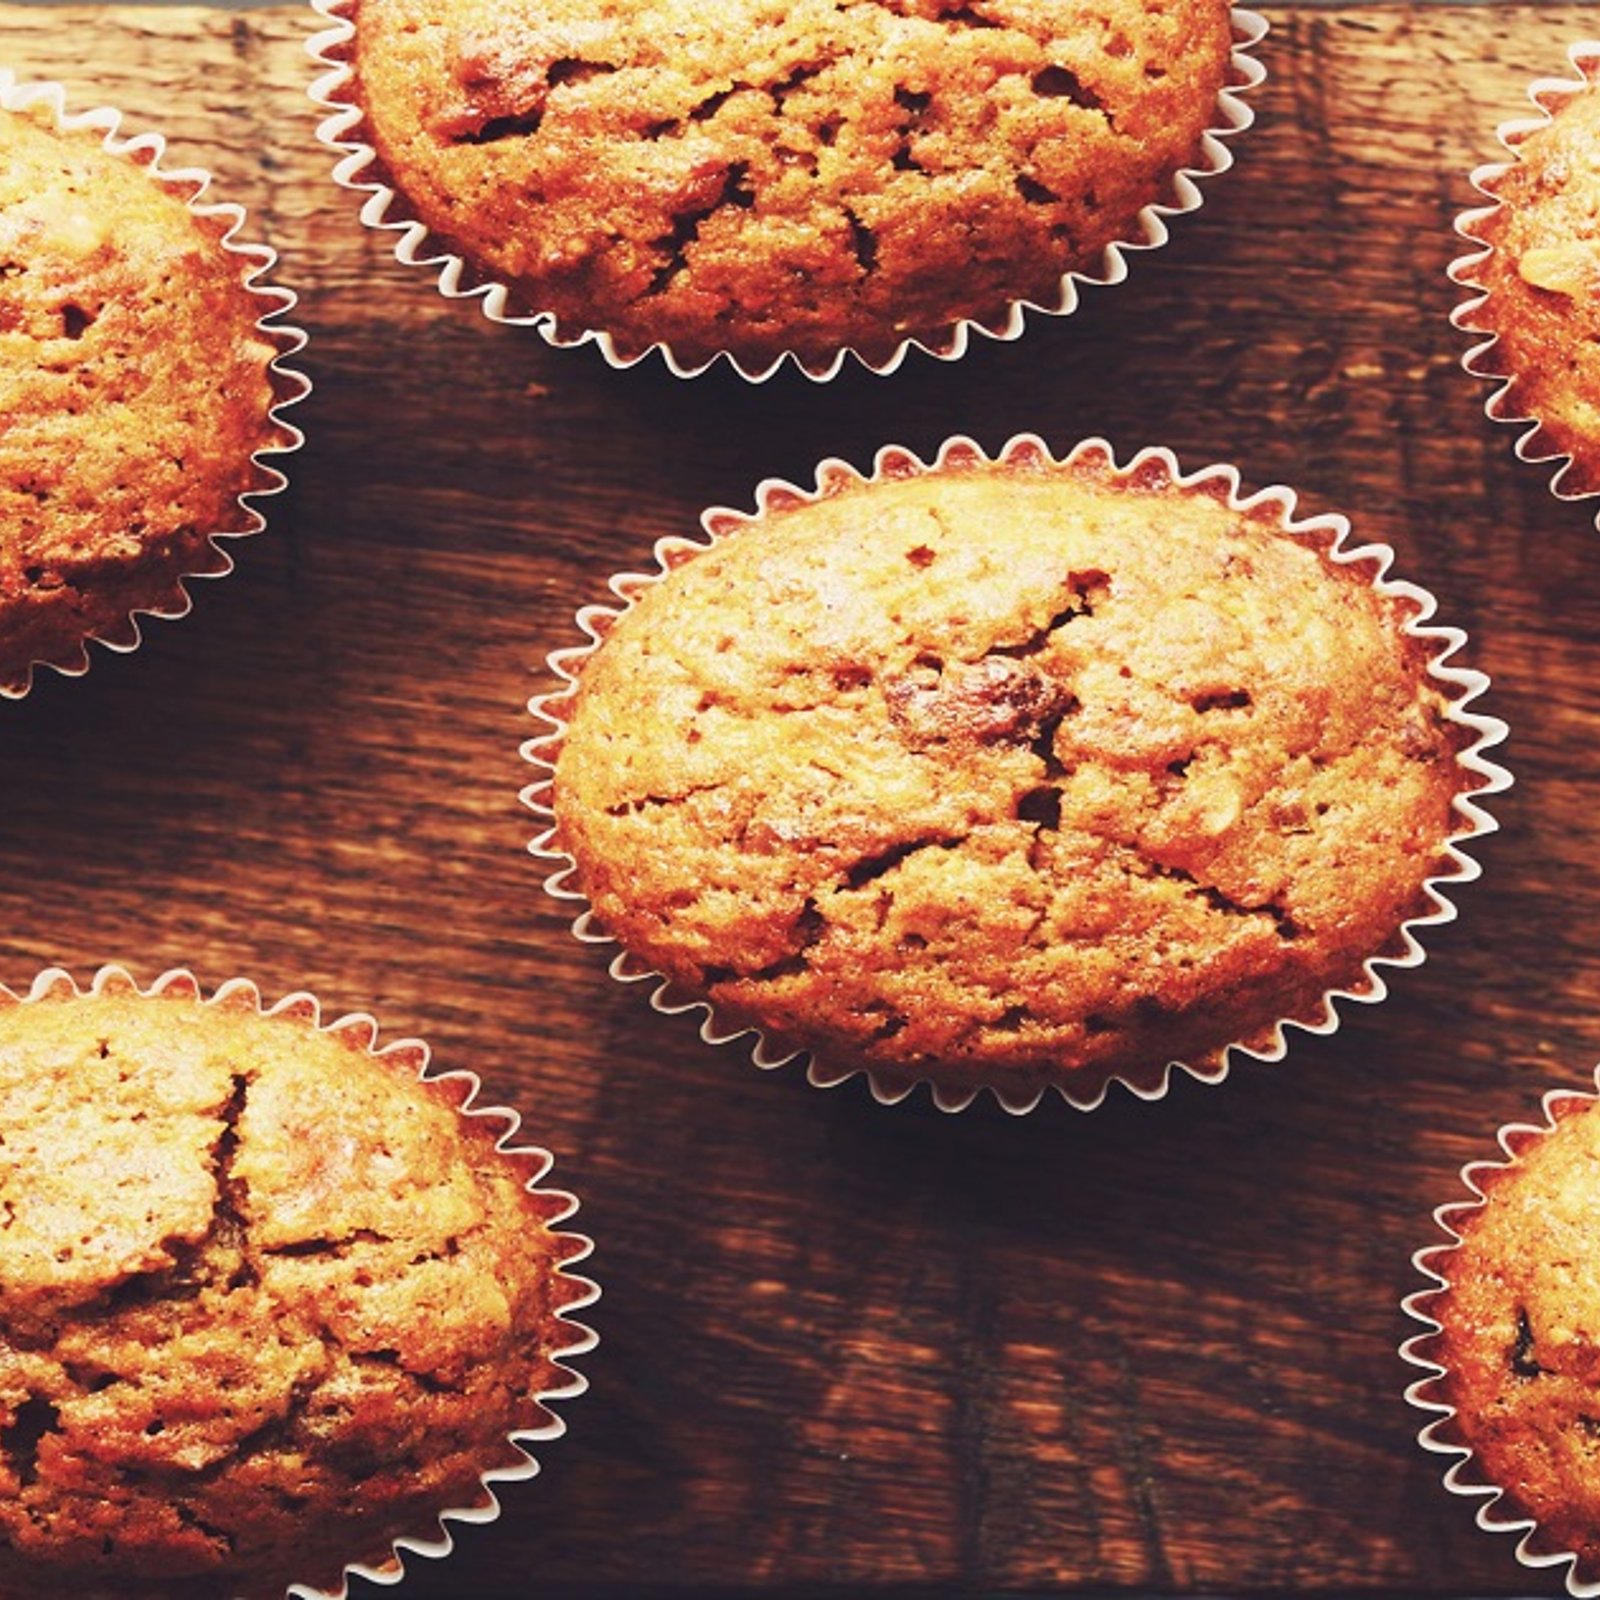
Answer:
(1014, 774)
(1534, 273)
(1513, 1320)
(141, 381)
(762, 181)
(274, 1301)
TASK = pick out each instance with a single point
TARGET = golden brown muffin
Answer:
(134, 386)
(1543, 283)
(1520, 1333)
(1009, 773)
(267, 1300)
(757, 177)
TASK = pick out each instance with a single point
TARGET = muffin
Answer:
(136, 384)
(1538, 272)
(268, 1299)
(1012, 773)
(759, 178)
(1517, 1327)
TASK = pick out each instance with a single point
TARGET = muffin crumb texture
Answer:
(1009, 773)
(134, 387)
(265, 1300)
(757, 177)
(1543, 283)
(1520, 1327)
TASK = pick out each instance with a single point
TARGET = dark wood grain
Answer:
(846, 1349)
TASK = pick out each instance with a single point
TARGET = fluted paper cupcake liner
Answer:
(461, 1088)
(1088, 1090)
(1533, 444)
(289, 385)
(361, 171)
(1441, 1436)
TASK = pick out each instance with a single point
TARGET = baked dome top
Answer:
(266, 1299)
(1543, 282)
(1008, 769)
(761, 177)
(134, 388)
(1520, 1331)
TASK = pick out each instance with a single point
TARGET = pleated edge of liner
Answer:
(290, 385)
(360, 1030)
(892, 461)
(1435, 1435)
(457, 281)
(1532, 445)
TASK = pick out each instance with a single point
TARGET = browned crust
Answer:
(1543, 284)
(266, 1300)
(1520, 1335)
(1010, 775)
(136, 389)
(757, 181)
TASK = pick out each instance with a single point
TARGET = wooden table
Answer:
(849, 1350)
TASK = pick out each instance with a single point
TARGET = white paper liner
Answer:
(386, 210)
(568, 1246)
(289, 385)
(894, 461)
(1533, 444)
(1463, 1476)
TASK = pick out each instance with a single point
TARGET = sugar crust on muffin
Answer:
(1009, 773)
(758, 177)
(134, 388)
(267, 1300)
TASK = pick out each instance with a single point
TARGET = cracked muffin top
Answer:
(134, 386)
(759, 176)
(1014, 773)
(1520, 1325)
(266, 1299)
(1543, 282)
